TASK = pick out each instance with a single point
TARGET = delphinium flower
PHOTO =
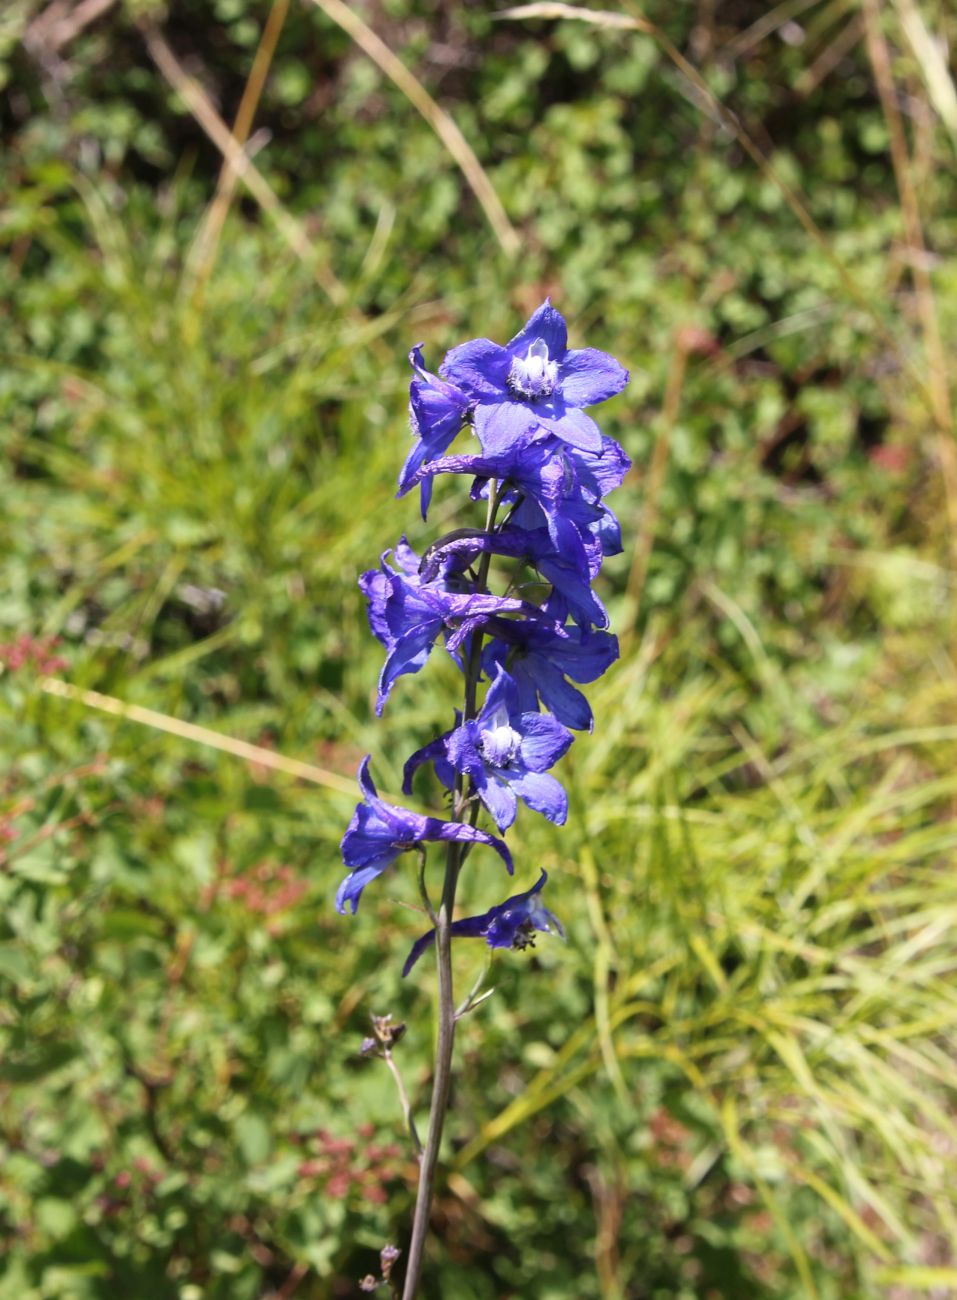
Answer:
(506, 754)
(549, 484)
(534, 383)
(436, 412)
(407, 614)
(541, 658)
(543, 469)
(379, 832)
(511, 924)
(570, 575)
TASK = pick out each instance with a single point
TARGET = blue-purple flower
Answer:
(554, 485)
(570, 575)
(407, 614)
(534, 384)
(540, 657)
(437, 412)
(511, 924)
(506, 753)
(379, 832)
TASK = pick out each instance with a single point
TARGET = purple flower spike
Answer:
(506, 753)
(379, 832)
(534, 384)
(544, 468)
(511, 924)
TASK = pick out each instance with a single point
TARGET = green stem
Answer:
(442, 1080)
(403, 1101)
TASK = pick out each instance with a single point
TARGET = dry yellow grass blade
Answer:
(437, 118)
(56, 25)
(598, 17)
(938, 386)
(200, 735)
(205, 114)
(933, 64)
(202, 255)
(768, 23)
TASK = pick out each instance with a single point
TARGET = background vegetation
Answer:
(736, 1079)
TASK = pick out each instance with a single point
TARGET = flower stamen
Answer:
(500, 745)
(535, 375)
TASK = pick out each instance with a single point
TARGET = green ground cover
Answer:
(736, 1079)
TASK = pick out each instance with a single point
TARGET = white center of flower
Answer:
(499, 745)
(534, 375)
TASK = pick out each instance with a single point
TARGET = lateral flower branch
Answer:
(543, 471)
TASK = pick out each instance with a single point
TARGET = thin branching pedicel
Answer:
(543, 471)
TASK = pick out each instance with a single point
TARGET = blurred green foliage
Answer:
(736, 1079)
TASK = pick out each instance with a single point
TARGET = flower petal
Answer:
(375, 586)
(501, 700)
(588, 376)
(418, 455)
(368, 837)
(439, 830)
(504, 426)
(431, 753)
(351, 888)
(481, 466)
(367, 785)
(408, 655)
(469, 927)
(543, 794)
(568, 582)
(547, 324)
(500, 800)
(586, 656)
(435, 417)
(405, 557)
(480, 368)
(544, 741)
(437, 410)
(567, 704)
(601, 472)
(609, 533)
(401, 823)
(416, 951)
(576, 428)
(463, 751)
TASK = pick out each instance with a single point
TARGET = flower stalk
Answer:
(442, 1078)
(447, 1017)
